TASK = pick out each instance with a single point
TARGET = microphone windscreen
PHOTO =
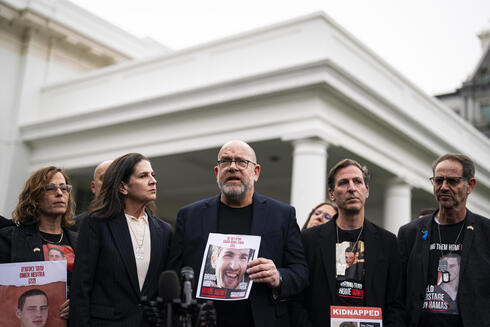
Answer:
(169, 286)
(187, 273)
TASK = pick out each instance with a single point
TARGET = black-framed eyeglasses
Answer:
(65, 188)
(239, 164)
(451, 180)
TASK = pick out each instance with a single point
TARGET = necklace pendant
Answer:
(442, 265)
(140, 253)
(446, 276)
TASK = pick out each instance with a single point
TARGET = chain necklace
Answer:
(51, 242)
(341, 270)
(139, 253)
(442, 267)
(358, 236)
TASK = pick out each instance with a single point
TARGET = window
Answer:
(485, 111)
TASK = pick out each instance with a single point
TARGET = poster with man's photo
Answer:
(345, 316)
(31, 293)
(223, 271)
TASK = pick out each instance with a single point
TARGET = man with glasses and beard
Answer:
(279, 272)
(446, 254)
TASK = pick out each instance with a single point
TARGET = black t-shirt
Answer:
(350, 267)
(58, 247)
(234, 221)
(440, 307)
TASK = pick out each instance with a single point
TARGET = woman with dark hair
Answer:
(43, 216)
(123, 248)
(320, 214)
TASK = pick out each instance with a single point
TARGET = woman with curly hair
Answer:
(42, 216)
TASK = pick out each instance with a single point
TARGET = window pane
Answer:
(485, 111)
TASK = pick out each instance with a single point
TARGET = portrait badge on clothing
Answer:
(442, 297)
(350, 266)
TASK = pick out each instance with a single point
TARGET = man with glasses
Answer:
(446, 254)
(279, 272)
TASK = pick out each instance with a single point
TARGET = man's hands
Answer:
(263, 270)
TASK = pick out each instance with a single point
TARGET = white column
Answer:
(308, 185)
(397, 205)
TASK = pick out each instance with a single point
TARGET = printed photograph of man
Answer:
(55, 254)
(32, 308)
(449, 289)
(350, 257)
(348, 324)
(230, 265)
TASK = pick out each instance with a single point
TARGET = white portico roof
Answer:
(306, 77)
(79, 27)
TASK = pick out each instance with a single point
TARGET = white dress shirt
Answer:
(140, 237)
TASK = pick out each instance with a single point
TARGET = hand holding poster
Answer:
(223, 270)
(31, 293)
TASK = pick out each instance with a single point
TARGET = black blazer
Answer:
(474, 275)
(23, 243)
(381, 282)
(105, 289)
(276, 223)
(5, 222)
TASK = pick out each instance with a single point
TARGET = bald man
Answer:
(280, 270)
(99, 172)
(95, 187)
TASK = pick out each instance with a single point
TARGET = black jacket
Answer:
(280, 242)
(382, 280)
(23, 243)
(5, 222)
(474, 276)
(105, 289)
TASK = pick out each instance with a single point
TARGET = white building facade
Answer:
(304, 93)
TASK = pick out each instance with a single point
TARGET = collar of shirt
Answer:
(143, 218)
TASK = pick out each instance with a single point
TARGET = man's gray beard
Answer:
(232, 194)
(452, 205)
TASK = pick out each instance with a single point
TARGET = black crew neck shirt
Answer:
(236, 221)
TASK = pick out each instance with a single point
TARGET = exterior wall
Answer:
(11, 62)
(468, 103)
(179, 108)
(472, 100)
(453, 101)
(36, 50)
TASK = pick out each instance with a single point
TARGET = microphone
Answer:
(169, 286)
(174, 306)
(169, 290)
(187, 276)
